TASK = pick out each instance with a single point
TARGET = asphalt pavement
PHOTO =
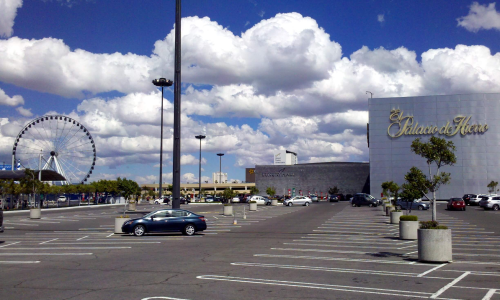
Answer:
(324, 251)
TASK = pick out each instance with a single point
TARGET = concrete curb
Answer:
(62, 208)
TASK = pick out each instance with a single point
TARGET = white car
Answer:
(298, 200)
(235, 199)
(163, 200)
(475, 200)
(61, 198)
(490, 203)
(261, 200)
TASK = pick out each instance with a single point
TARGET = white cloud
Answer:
(10, 101)
(8, 12)
(480, 17)
(24, 111)
(381, 18)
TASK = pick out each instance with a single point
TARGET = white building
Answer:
(218, 177)
(285, 157)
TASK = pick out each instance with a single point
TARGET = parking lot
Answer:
(324, 251)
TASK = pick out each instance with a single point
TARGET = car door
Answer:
(159, 221)
(177, 221)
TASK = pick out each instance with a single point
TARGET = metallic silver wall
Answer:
(478, 148)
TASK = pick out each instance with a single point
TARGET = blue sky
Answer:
(258, 76)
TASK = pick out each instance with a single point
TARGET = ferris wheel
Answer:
(58, 143)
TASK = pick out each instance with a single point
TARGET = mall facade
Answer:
(471, 122)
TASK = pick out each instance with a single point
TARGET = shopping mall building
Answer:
(469, 121)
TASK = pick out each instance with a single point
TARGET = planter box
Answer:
(434, 245)
(408, 230)
(132, 206)
(119, 223)
(253, 206)
(395, 216)
(228, 210)
(388, 210)
(35, 213)
(274, 202)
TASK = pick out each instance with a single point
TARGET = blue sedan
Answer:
(166, 220)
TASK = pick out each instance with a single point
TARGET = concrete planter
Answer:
(395, 216)
(388, 210)
(274, 202)
(228, 210)
(132, 206)
(151, 202)
(434, 245)
(35, 213)
(408, 230)
(253, 206)
(119, 223)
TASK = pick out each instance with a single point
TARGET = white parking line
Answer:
(68, 248)
(20, 262)
(19, 224)
(449, 285)
(340, 246)
(351, 232)
(489, 294)
(433, 269)
(340, 270)
(48, 241)
(82, 238)
(309, 285)
(9, 244)
(377, 261)
(344, 241)
(42, 254)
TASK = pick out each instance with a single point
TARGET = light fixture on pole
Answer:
(200, 137)
(220, 166)
(161, 82)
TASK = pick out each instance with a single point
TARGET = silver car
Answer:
(490, 203)
(298, 200)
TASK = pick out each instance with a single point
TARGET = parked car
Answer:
(475, 200)
(235, 199)
(298, 200)
(261, 200)
(166, 220)
(333, 198)
(364, 199)
(492, 202)
(209, 199)
(314, 198)
(413, 204)
(348, 197)
(456, 203)
(467, 198)
(62, 198)
(164, 200)
(184, 200)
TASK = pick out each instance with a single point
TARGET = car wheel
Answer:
(290, 203)
(420, 207)
(496, 207)
(189, 229)
(370, 205)
(139, 230)
(306, 204)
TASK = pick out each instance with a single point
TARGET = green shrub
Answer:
(408, 218)
(227, 204)
(253, 202)
(431, 225)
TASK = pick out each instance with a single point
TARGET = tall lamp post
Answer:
(200, 137)
(161, 82)
(220, 166)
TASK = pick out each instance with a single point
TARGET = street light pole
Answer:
(176, 176)
(200, 137)
(161, 82)
(220, 166)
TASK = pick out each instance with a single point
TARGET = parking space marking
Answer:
(340, 270)
(20, 262)
(68, 248)
(489, 294)
(343, 241)
(350, 232)
(48, 241)
(377, 261)
(9, 244)
(449, 285)
(21, 224)
(431, 270)
(160, 297)
(343, 288)
(340, 246)
(43, 254)
(82, 238)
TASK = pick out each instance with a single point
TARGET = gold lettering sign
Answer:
(406, 125)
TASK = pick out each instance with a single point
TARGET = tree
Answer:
(409, 193)
(437, 152)
(271, 191)
(492, 186)
(127, 187)
(228, 194)
(254, 190)
(392, 189)
(333, 190)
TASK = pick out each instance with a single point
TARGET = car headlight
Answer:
(128, 223)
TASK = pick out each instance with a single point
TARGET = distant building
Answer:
(250, 175)
(219, 177)
(285, 157)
